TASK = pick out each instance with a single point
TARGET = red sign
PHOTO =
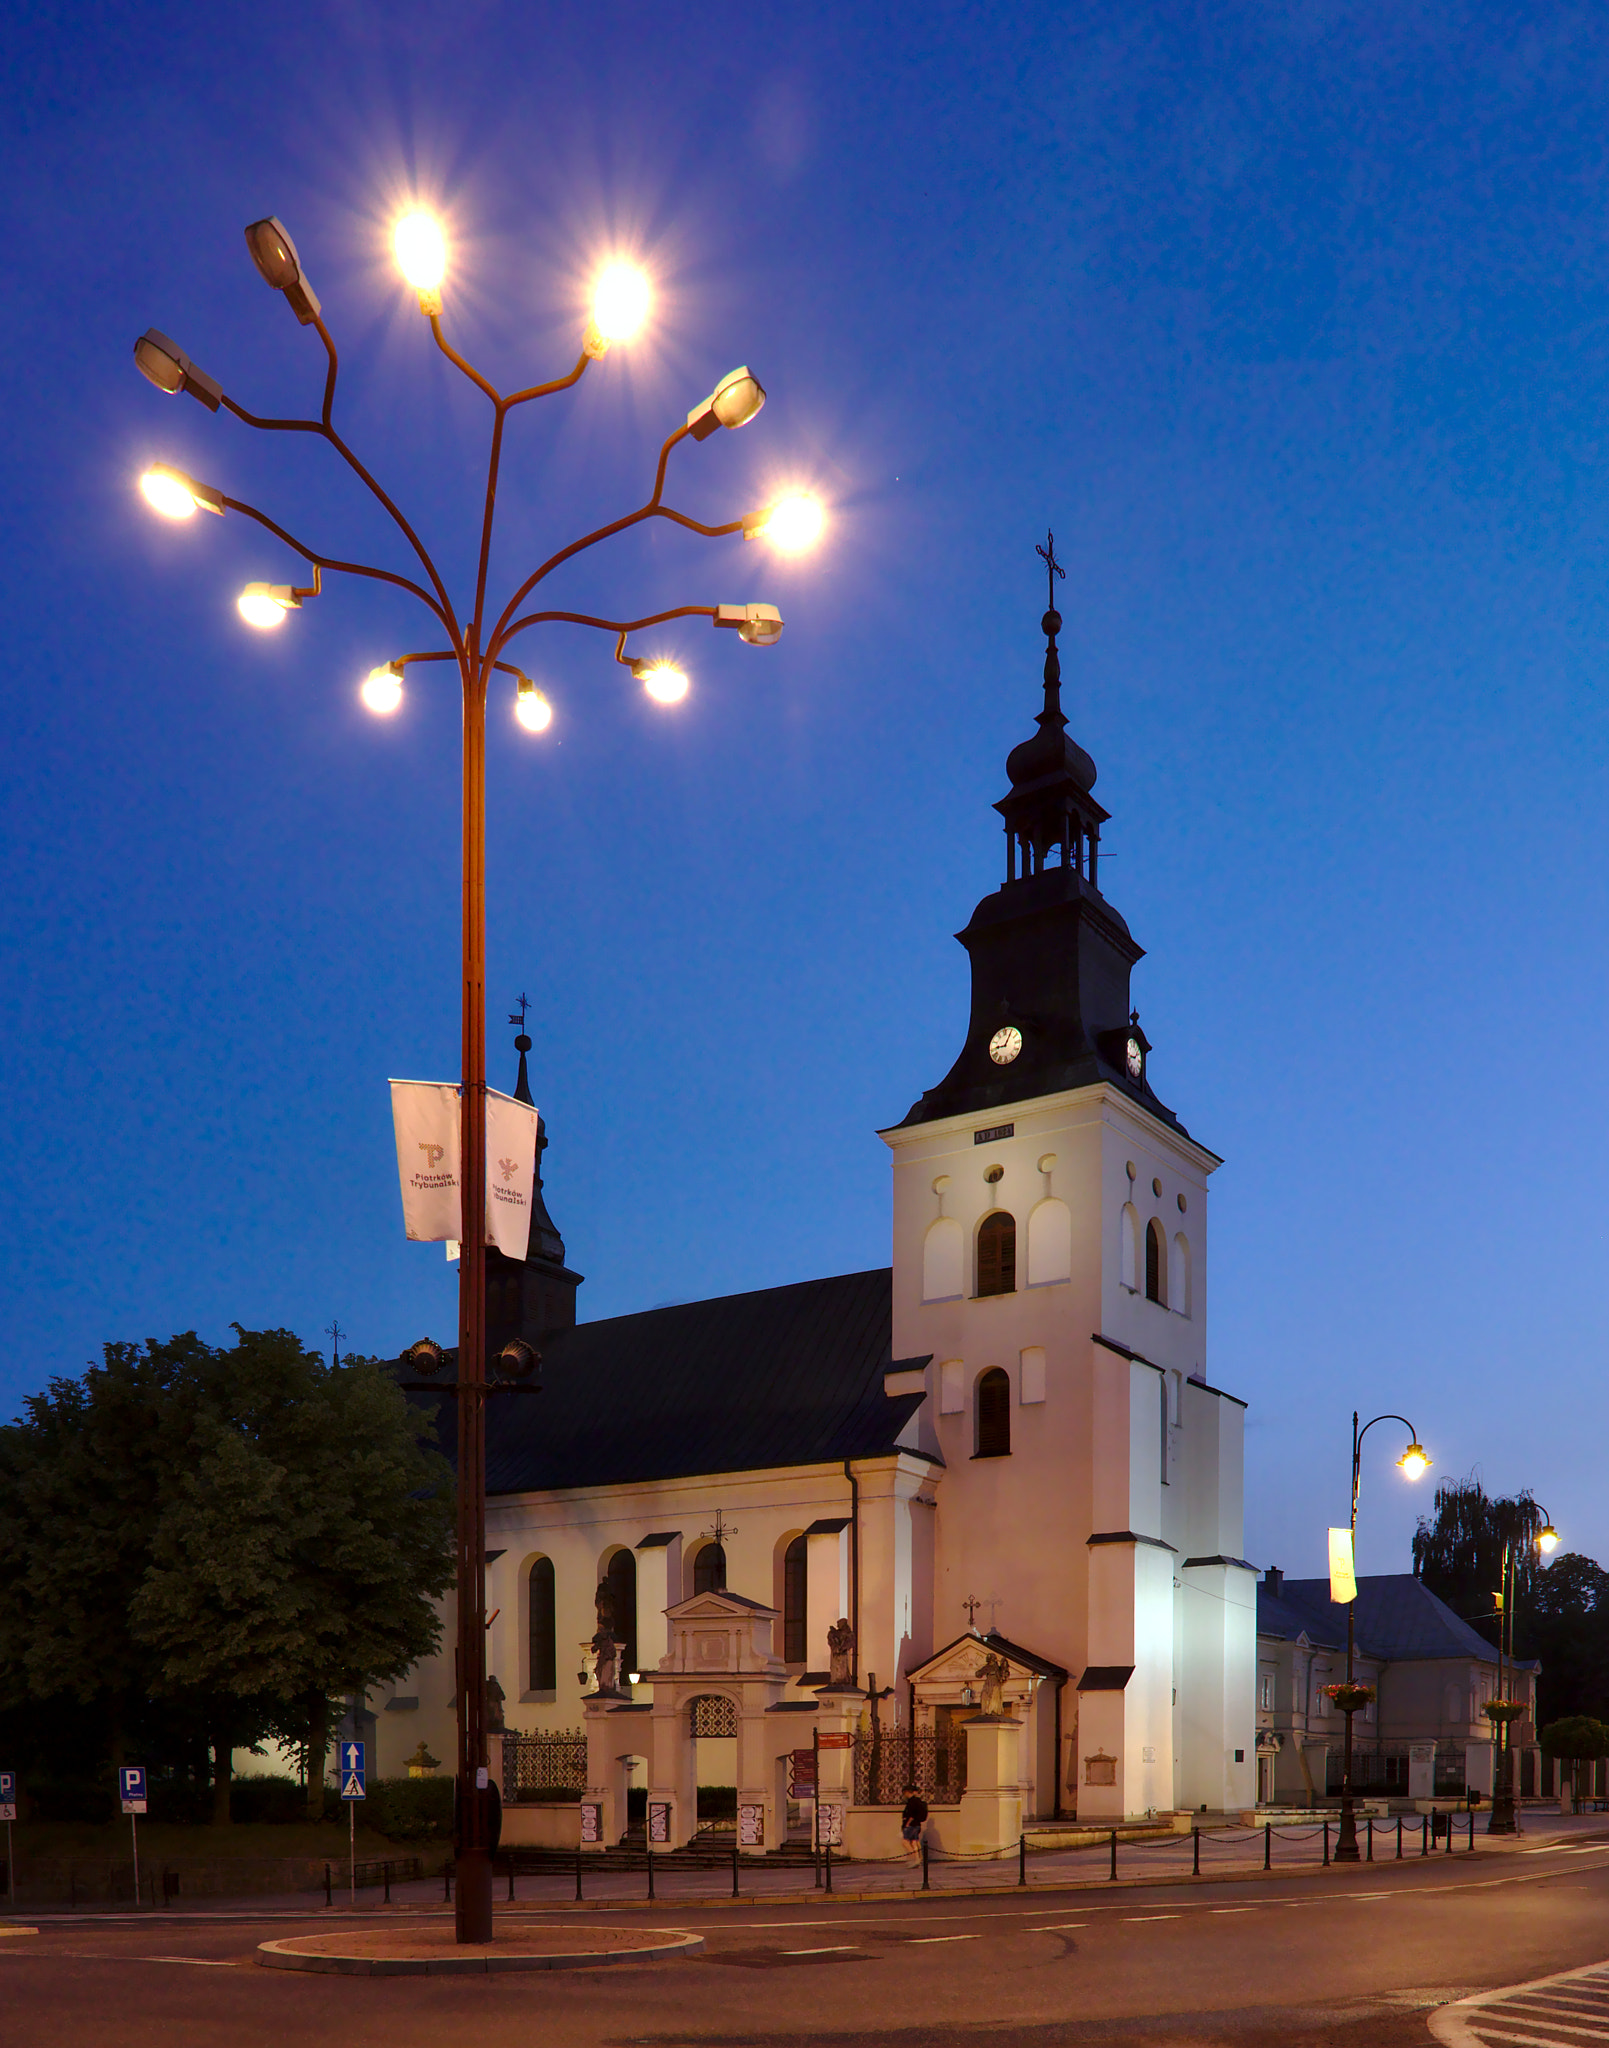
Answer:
(802, 1774)
(837, 1741)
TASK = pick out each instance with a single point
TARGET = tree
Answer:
(301, 1551)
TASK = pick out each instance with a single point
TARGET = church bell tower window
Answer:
(1155, 1261)
(997, 1254)
(543, 1632)
(994, 1414)
(794, 1649)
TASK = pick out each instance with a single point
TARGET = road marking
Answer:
(839, 1949)
(1144, 1919)
(1487, 2018)
(927, 1940)
(1234, 1909)
(1062, 1927)
(197, 1962)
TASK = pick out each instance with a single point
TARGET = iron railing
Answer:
(537, 1767)
(891, 1762)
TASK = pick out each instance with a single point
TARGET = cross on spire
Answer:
(1053, 569)
(972, 1603)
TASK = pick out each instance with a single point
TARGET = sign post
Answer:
(131, 1791)
(353, 1775)
(8, 1813)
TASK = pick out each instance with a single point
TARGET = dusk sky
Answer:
(1291, 320)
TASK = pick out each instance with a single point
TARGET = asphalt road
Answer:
(1334, 1958)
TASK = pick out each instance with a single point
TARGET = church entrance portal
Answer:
(713, 1724)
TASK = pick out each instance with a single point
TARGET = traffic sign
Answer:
(353, 1770)
(131, 1787)
(839, 1739)
(802, 1774)
(8, 1795)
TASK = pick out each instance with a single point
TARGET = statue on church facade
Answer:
(605, 1650)
(992, 1675)
(840, 1649)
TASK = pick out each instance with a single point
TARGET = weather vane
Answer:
(518, 1016)
(335, 1333)
(720, 1529)
(1053, 569)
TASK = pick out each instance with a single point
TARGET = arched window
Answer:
(794, 1649)
(1179, 1275)
(543, 1632)
(941, 1260)
(1050, 1243)
(1156, 1262)
(997, 1254)
(1131, 1246)
(709, 1569)
(621, 1576)
(994, 1414)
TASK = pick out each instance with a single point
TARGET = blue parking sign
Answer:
(353, 1770)
(131, 1787)
(8, 1795)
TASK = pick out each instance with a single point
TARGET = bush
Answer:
(410, 1809)
(277, 1801)
(76, 1800)
(1577, 1736)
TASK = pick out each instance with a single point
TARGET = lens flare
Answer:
(164, 493)
(1414, 1463)
(421, 250)
(795, 523)
(1547, 1540)
(382, 691)
(260, 608)
(532, 709)
(664, 682)
(620, 299)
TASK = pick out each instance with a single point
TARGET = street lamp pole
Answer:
(476, 649)
(1503, 1712)
(1413, 1463)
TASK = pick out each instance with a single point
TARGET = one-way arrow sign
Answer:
(353, 1770)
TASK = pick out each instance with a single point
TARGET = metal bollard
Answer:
(1326, 1845)
(1424, 1834)
(328, 1899)
(925, 1886)
(650, 1870)
(1114, 1856)
(511, 1880)
(734, 1871)
(829, 1866)
(1450, 1820)
(1399, 1837)
(1022, 1859)
(1268, 1845)
(447, 1883)
(388, 1884)
(578, 1873)
(1470, 1844)
(1369, 1858)
(1195, 1852)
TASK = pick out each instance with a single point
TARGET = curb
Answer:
(281, 1955)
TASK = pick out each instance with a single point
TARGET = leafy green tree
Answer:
(300, 1552)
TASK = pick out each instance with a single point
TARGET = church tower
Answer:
(531, 1296)
(1050, 1260)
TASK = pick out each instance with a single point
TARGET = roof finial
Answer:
(1050, 624)
(522, 1045)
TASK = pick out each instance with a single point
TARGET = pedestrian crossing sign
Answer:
(353, 1770)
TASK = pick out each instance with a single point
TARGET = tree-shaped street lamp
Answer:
(1352, 1697)
(1531, 1525)
(477, 646)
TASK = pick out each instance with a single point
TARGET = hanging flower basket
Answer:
(1351, 1699)
(1503, 1711)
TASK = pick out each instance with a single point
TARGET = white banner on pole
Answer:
(510, 1172)
(425, 1114)
(426, 1120)
(1343, 1576)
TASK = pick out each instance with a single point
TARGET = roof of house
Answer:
(1399, 1619)
(784, 1376)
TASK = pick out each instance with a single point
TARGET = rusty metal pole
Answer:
(474, 1854)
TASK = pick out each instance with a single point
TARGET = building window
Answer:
(1156, 1258)
(709, 1569)
(621, 1577)
(1265, 1691)
(543, 1632)
(997, 1254)
(994, 1414)
(794, 1649)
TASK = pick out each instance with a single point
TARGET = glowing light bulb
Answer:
(421, 250)
(382, 690)
(264, 605)
(166, 492)
(1414, 1463)
(664, 682)
(1547, 1540)
(531, 708)
(620, 299)
(795, 523)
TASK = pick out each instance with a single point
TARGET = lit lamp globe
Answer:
(1547, 1539)
(531, 708)
(175, 495)
(793, 524)
(382, 691)
(664, 682)
(420, 248)
(264, 605)
(620, 300)
(1414, 1461)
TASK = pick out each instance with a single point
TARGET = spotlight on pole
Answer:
(158, 357)
(278, 264)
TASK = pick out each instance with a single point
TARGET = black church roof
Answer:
(785, 1376)
(1398, 1619)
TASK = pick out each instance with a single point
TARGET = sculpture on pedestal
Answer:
(605, 1650)
(840, 1649)
(992, 1674)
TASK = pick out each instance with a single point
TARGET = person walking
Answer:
(912, 1822)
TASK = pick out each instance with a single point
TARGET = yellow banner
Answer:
(1343, 1579)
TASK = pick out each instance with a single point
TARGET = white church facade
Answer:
(1000, 1459)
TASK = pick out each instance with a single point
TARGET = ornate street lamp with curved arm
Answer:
(477, 646)
(1414, 1464)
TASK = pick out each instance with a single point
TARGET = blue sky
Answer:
(1290, 320)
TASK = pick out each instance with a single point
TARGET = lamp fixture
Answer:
(759, 624)
(279, 266)
(420, 248)
(793, 524)
(1547, 1539)
(158, 357)
(382, 689)
(264, 605)
(177, 496)
(1415, 1462)
(733, 403)
(531, 708)
(620, 300)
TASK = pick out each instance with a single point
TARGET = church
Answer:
(1000, 1459)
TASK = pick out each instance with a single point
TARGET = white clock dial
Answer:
(1005, 1045)
(1135, 1058)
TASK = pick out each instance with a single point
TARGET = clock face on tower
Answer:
(1135, 1059)
(1005, 1045)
